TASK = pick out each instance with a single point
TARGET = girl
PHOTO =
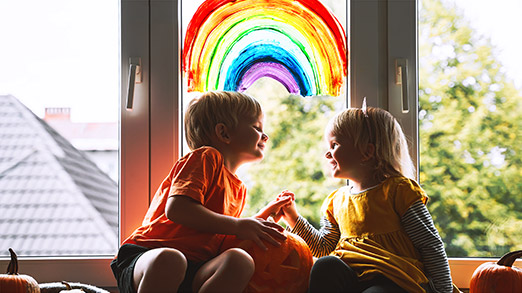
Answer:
(376, 233)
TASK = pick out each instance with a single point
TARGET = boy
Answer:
(176, 248)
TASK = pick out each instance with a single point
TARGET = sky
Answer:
(65, 53)
(62, 53)
(501, 20)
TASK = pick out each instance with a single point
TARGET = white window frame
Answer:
(381, 31)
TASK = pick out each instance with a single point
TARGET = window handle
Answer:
(134, 78)
(401, 78)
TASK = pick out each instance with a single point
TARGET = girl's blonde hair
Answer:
(380, 128)
(209, 109)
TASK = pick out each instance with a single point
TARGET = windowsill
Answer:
(462, 269)
(92, 271)
(97, 272)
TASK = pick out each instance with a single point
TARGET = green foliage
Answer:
(294, 158)
(470, 128)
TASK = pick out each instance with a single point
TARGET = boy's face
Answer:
(248, 139)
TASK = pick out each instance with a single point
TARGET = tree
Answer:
(470, 123)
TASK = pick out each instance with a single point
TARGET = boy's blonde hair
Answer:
(380, 128)
(209, 109)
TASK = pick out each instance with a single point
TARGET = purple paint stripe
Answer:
(269, 69)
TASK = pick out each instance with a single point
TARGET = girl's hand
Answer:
(274, 208)
(290, 214)
(257, 230)
(286, 193)
(283, 196)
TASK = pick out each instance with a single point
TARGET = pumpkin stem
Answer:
(12, 268)
(509, 258)
(67, 285)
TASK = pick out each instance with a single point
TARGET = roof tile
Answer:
(54, 200)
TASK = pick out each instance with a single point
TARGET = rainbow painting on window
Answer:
(229, 44)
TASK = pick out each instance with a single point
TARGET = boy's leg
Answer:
(159, 270)
(331, 274)
(228, 272)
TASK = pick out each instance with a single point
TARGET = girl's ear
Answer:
(221, 131)
(370, 151)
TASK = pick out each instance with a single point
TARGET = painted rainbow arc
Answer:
(230, 44)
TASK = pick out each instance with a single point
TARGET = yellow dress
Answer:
(372, 240)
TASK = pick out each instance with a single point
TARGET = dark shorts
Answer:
(123, 268)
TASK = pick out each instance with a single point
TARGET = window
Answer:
(466, 140)
(59, 147)
(134, 38)
(274, 53)
(469, 90)
(469, 126)
(381, 47)
(381, 33)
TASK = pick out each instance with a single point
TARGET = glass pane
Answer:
(292, 58)
(470, 123)
(59, 109)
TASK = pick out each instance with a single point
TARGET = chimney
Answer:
(57, 114)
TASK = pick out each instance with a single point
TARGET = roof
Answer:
(53, 199)
(93, 136)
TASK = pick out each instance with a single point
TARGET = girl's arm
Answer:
(322, 241)
(419, 226)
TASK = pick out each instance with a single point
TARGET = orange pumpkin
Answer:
(279, 269)
(12, 282)
(500, 277)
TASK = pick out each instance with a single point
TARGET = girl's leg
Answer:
(381, 284)
(331, 274)
(159, 270)
(228, 272)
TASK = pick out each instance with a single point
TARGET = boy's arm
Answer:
(186, 211)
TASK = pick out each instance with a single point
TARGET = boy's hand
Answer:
(286, 193)
(275, 207)
(257, 229)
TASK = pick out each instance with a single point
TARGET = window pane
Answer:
(59, 109)
(292, 58)
(470, 119)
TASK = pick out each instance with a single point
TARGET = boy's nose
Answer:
(264, 137)
(328, 155)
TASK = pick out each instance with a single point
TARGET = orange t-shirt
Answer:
(202, 176)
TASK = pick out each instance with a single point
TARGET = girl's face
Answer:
(343, 157)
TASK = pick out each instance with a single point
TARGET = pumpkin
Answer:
(499, 277)
(12, 282)
(284, 268)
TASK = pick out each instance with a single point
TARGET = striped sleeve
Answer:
(419, 226)
(322, 241)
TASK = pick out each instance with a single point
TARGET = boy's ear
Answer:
(370, 151)
(221, 131)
